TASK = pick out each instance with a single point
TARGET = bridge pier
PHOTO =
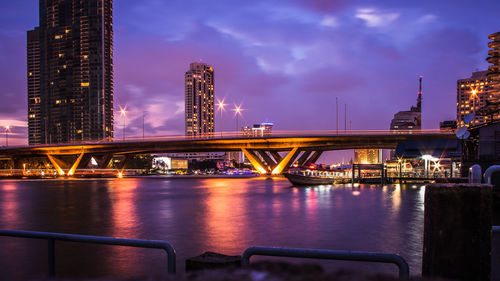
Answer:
(124, 162)
(303, 158)
(313, 158)
(256, 162)
(268, 160)
(268, 165)
(286, 162)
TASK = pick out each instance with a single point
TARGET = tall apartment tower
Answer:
(472, 96)
(199, 99)
(33, 67)
(75, 84)
(494, 76)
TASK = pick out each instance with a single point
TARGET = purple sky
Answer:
(284, 61)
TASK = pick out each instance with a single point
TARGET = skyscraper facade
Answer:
(33, 67)
(75, 101)
(199, 99)
(472, 95)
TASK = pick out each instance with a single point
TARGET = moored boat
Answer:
(312, 176)
(302, 179)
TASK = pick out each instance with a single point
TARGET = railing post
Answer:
(475, 175)
(51, 257)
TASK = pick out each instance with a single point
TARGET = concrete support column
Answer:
(103, 161)
(84, 163)
(304, 157)
(268, 160)
(124, 162)
(457, 231)
(286, 162)
(256, 162)
(313, 158)
(277, 157)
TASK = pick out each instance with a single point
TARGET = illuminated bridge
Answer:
(268, 154)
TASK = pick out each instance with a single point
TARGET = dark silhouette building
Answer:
(70, 72)
(409, 119)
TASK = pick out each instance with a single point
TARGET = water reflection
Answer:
(225, 216)
(197, 215)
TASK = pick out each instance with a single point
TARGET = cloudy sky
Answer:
(284, 61)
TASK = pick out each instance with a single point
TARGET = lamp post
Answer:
(7, 135)
(237, 112)
(221, 105)
(143, 114)
(474, 95)
(123, 113)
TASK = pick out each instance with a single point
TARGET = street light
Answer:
(474, 95)
(123, 113)
(237, 111)
(143, 114)
(427, 158)
(221, 105)
(7, 128)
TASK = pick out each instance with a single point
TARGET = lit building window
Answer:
(85, 84)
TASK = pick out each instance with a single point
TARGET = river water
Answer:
(224, 215)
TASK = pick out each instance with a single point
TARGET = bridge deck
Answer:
(279, 141)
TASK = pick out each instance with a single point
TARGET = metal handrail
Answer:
(489, 173)
(52, 237)
(404, 269)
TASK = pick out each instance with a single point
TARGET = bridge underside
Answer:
(263, 153)
(265, 162)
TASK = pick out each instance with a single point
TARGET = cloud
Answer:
(13, 123)
(375, 18)
(329, 21)
(428, 18)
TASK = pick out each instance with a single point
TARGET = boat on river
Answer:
(312, 176)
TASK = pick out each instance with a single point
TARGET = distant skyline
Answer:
(284, 61)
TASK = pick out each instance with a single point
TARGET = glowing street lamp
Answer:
(123, 113)
(474, 96)
(7, 128)
(427, 158)
(237, 111)
(221, 105)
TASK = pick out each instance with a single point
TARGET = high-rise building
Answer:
(368, 156)
(409, 119)
(33, 67)
(472, 95)
(492, 109)
(258, 130)
(75, 101)
(199, 99)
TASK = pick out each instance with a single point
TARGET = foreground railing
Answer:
(53, 237)
(404, 269)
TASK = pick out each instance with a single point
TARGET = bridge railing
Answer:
(233, 135)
